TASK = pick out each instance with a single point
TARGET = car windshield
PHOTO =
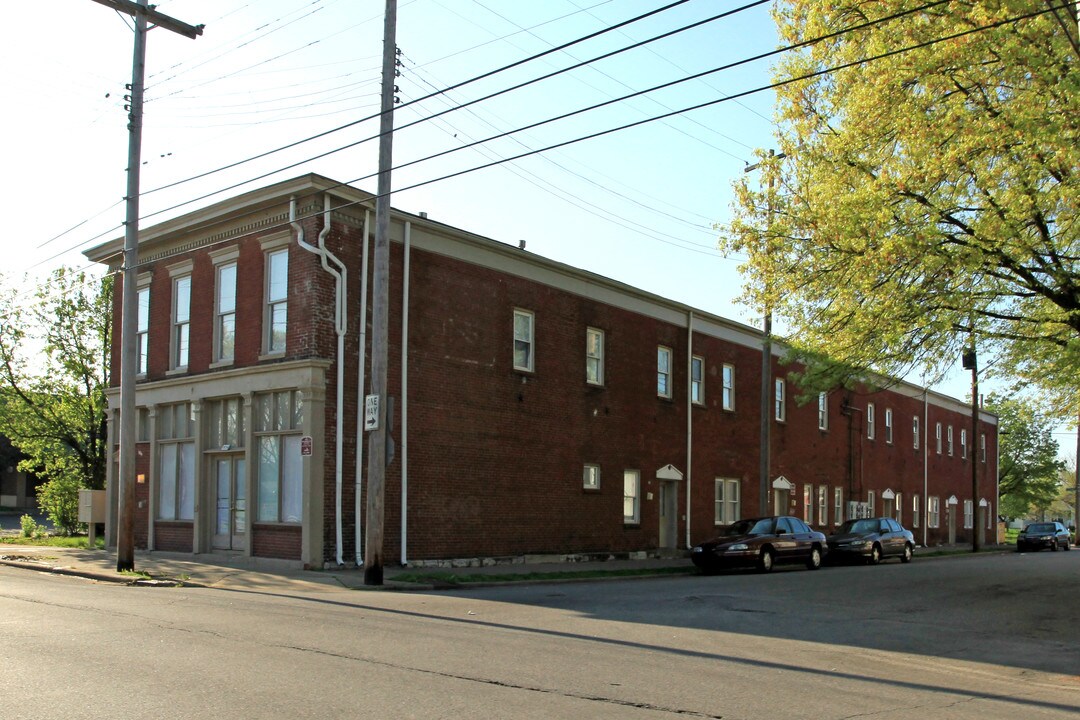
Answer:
(859, 526)
(764, 526)
(1040, 528)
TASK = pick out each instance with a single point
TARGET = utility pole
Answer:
(142, 13)
(1076, 487)
(377, 440)
(970, 361)
(766, 367)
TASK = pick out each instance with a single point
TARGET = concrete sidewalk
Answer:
(288, 577)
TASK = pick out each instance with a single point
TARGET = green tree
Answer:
(925, 194)
(1029, 473)
(54, 360)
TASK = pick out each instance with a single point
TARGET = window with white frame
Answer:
(808, 503)
(963, 443)
(277, 300)
(937, 437)
(176, 462)
(933, 512)
(915, 432)
(871, 429)
(524, 327)
(697, 380)
(727, 501)
(225, 313)
(591, 477)
(888, 425)
(948, 440)
(823, 411)
(631, 497)
(594, 356)
(838, 505)
(181, 321)
(663, 371)
(989, 516)
(968, 514)
(279, 418)
(142, 336)
(729, 387)
(823, 504)
(915, 513)
(779, 401)
(870, 503)
(898, 505)
(982, 447)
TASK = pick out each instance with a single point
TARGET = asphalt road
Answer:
(984, 637)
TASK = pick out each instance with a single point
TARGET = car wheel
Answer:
(908, 554)
(765, 560)
(814, 561)
(1066, 546)
(875, 555)
(1053, 546)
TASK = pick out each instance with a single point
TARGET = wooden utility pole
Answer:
(380, 290)
(970, 361)
(142, 13)
(766, 368)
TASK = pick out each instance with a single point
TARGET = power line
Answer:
(752, 4)
(421, 99)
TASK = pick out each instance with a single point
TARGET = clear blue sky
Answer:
(637, 206)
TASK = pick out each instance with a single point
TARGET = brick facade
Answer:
(495, 455)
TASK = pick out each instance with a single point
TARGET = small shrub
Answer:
(59, 498)
(31, 528)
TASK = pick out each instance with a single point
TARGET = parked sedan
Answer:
(762, 543)
(1037, 536)
(870, 540)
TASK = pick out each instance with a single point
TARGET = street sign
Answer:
(371, 412)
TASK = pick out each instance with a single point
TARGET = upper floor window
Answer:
(663, 372)
(523, 340)
(888, 425)
(915, 431)
(780, 410)
(982, 447)
(963, 443)
(823, 411)
(181, 321)
(871, 428)
(697, 380)
(729, 387)
(142, 336)
(225, 313)
(594, 356)
(937, 437)
(591, 477)
(277, 303)
(949, 444)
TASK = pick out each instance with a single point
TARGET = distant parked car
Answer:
(762, 543)
(871, 540)
(1037, 536)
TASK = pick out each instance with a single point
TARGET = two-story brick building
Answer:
(540, 408)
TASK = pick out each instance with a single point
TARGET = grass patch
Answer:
(440, 577)
(137, 574)
(78, 541)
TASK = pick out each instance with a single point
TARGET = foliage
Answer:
(1029, 469)
(925, 195)
(54, 360)
(56, 541)
(59, 499)
(30, 527)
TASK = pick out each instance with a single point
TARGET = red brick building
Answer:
(540, 409)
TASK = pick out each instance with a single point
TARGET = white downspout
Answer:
(689, 416)
(361, 379)
(337, 269)
(925, 519)
(405, 400)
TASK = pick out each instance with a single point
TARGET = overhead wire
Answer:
(455, 86)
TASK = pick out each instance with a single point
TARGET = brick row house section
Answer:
(540, 409)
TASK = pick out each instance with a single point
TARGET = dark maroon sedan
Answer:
(762, 543)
